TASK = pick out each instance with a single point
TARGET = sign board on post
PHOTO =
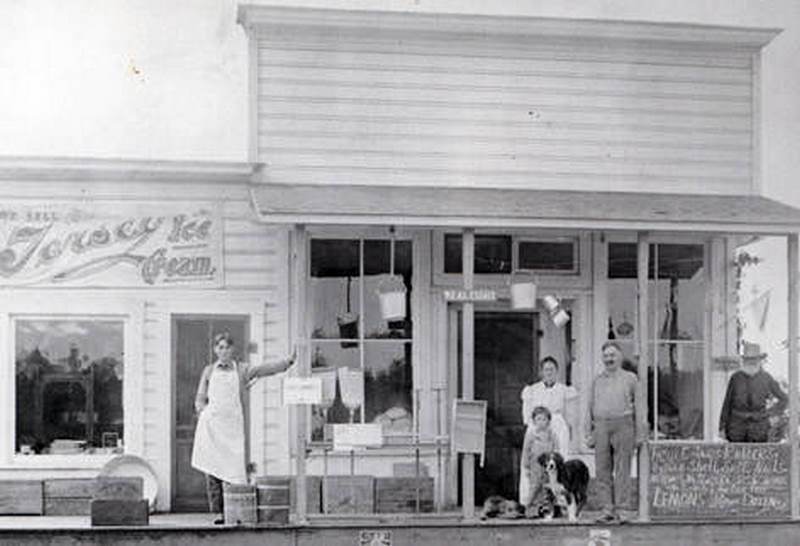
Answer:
(357, 436)
(302, 390)
(702, 480)
(469, 427)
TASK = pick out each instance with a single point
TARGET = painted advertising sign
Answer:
(110, 245)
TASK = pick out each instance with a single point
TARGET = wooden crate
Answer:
(68, 496)
(400, 495)
(118, 488)
(120, 512)
(21, 497)
(348, 494)
(313, 492)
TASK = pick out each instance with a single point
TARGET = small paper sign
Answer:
(357, 436)
(469, 427)
(464, 296)
(302, 390)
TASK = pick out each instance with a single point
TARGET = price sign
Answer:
(357, 436)
(302, 390)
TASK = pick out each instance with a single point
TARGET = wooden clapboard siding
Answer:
(357, 106)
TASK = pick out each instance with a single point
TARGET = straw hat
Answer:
(752, 351)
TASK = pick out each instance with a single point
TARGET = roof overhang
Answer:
(416, 206)
(275, 19)
(64, 169)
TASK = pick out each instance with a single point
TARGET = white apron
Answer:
(219, 437)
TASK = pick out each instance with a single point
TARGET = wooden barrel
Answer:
(273, 499)
(239, 502)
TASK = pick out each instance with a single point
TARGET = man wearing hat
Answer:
(744, 416)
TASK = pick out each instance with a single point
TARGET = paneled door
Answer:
(192, 337)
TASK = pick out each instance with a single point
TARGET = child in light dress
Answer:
(539, 439)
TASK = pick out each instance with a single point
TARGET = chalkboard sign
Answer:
(703, 481)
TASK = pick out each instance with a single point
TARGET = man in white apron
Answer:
(219, 442)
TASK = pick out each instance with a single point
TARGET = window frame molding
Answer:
(419, 284)
(707, 342)
(550, 279)
(66, 305)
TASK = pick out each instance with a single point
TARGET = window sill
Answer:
(79, 461)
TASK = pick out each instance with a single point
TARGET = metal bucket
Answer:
(239, 503)
(273, 500)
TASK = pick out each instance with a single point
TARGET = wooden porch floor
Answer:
(199, 530)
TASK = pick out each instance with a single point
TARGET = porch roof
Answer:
(520, 208)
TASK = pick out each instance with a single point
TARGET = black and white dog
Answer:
(565, 485)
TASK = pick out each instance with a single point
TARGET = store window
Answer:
(69, 375)
(675, 332)
(360, 311)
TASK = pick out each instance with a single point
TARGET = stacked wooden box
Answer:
(118, 501)
(313, 494)
(348, 494)
(68, 496)
(20, 497)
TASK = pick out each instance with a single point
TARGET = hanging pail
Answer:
(393, 305)
(523, 295)
(239, 504)
(560, 318)
(550, 303)
(348, 329)
(392, 297)
(273, 500)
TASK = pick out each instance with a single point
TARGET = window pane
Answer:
(334, 288)
(339, 406)
(676, 303)
(548, 255)
(69, 385)
(384, 292)
(680, 390)
(388, 386)
(492, 254)
(679, 291)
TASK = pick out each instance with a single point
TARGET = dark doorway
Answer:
(506, 346)
(192, 337)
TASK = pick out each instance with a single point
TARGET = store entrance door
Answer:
(506, 346)
(192, 337)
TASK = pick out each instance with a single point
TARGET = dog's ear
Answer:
(542, 459)
(558, 458)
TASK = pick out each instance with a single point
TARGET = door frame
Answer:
(453, 383)
(252, 305)
(244, 352)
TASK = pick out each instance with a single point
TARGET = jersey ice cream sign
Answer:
(110, 245)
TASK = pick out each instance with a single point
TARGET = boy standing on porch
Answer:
(614, 428)
(219, 441)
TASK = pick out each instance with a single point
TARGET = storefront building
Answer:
(599, 160)
(446, 158)
(114, 274)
